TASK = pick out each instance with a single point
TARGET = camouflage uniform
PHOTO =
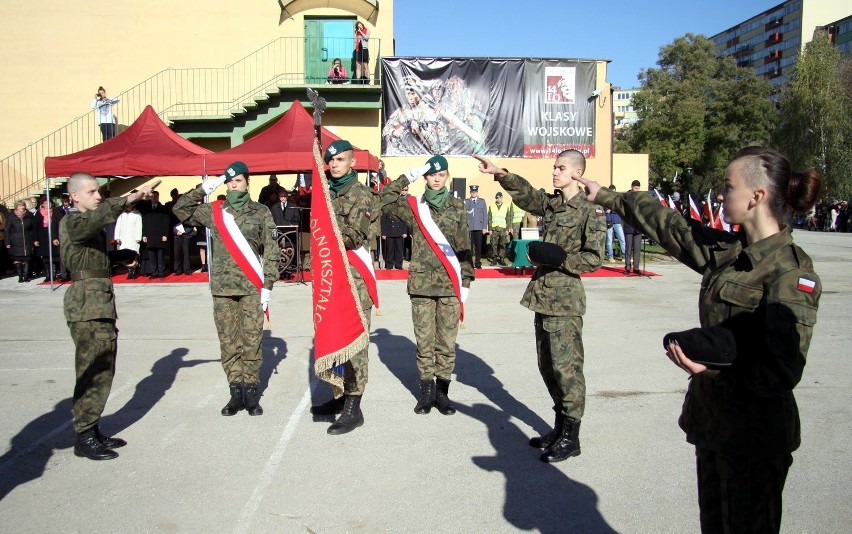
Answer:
(357, 208)
(90, 308)
(236, 302)
(556, 293)
(434, 306)
(743, 420)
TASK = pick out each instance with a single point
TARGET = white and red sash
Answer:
(360, 259)
(440, 246)
(237, 246)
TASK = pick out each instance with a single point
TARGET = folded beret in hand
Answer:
(713, 346)
(546, 253)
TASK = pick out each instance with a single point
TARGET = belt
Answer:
(91, 273)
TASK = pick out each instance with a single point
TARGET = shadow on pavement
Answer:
(539, 496)
(149, 391)
(274, 351)
(27, 458)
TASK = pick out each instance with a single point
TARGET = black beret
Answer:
(546, 253)
(714, 346)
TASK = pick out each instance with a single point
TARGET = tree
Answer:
(695, 110)
(815, 126)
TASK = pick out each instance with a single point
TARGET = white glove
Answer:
(415, 173)
(265, 297)
(465, 291)
(210, 184)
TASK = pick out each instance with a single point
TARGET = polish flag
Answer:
(806, 285)
(672, 204)
(720, 220)
(660, 198)
(708, 208)
(694, 212)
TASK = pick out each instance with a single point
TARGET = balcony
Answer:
(742, 50)
(744, 62)
(773, 73)
(774, 38)
(772, 24)
(772, 57)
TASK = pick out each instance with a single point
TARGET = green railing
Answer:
(180, 93)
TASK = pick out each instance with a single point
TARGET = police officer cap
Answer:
(437, 164)
(499, 194)
(474, 188)
(341, 145)
(235, 169)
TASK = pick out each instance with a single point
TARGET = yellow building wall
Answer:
(56, 53)
(629, 167)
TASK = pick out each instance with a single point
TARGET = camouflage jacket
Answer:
(578, 227)
(256, 224)
(767, 293)
(83, 248)
(358, 211)
(426, 274)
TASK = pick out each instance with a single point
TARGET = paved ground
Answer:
(187, 469)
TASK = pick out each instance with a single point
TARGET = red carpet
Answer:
(397, 274)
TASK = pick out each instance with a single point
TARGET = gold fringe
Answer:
(324, 365)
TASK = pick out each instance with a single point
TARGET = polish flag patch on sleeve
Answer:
(806, 285)
(599, 212)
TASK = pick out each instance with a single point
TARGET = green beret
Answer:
(234, 169)
(499, 194)
(437, 164)
(341, 145)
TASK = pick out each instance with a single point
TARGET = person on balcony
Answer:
(362, 54)
(337, 72)
(104, 116)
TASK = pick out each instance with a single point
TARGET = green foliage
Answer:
(815, 111)
(695, 110)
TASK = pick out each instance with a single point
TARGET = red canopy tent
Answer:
(286, 146)
(146, 148)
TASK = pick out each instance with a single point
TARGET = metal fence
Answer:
(182, 93)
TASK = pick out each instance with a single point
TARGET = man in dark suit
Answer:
(284, 212)
(155, 234)
(394, 232)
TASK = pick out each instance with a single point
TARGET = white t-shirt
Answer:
(103, 110)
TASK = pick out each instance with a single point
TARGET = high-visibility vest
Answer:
(498, 214)
(517, 214)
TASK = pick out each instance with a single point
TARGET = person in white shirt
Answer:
(104, 116)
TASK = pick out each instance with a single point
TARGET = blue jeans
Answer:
(619, 234)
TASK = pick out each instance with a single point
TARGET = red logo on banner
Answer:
(560, 85)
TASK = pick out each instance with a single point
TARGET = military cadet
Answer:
(759, 288)
(90, 308)
(244, 267)
(499, 219)
(357, 207)
(518, 217)
(439, 275)
(477, 220)
(572, 243)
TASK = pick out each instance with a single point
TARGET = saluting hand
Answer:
(144, 193)
(487, 167)
(592, 187)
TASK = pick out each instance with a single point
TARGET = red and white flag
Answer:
(806, 285)
(340, 328)
(694, 212)
(672, 204)
(720, 219)
(660, 198)
(708, 209)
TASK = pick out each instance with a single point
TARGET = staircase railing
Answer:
(190, 92)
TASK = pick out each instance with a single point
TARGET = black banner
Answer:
(503, 107)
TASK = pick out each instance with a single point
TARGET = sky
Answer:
(630, 34)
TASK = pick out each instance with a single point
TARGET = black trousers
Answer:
(156, 261)
(180, 254)
(476, 242)
(634, 250)
(742, 492)
(392, 252)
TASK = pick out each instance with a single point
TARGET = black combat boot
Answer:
(350, 418)
(87, 446)
(567, 445)
(546, 440)
(252, 399)
(332, 407)
(237, 402)
(108, 442)
(427, 397)
(442, 402)
(20, 268)
(131, 274)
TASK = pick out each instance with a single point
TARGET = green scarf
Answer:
(238, 199)
(337, 184)
(437, 198)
